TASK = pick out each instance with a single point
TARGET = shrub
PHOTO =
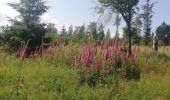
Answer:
(97, 63)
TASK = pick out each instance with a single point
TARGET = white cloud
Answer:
(6, 11)
(46, 18)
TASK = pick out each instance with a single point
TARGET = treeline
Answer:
(27, 27)
(161, 34)
(79, 34)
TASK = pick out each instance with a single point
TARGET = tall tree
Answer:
(163, 33)
(51, 29)
(82, 30)
(137, 23)
(30, 10)
(92, 28)
(147, 20)
(27, 26)
(108, 35)
(63, 31)
(117, 23)
(100, 33)
(125, 8)
(135, 36)
(70, 30)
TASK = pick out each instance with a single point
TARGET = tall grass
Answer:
(55, 77)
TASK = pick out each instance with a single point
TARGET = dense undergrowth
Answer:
(55, 76)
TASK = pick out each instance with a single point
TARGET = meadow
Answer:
(42, 60)
(54, 76)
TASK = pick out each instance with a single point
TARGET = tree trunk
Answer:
(129, 38)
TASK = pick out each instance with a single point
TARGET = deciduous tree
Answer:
(125, 8)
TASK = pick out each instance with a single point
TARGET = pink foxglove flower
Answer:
(22, 51)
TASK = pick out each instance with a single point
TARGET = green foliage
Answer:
(82, 34)
(135, 37)
(70, 30)
(63, 31)
(126, 70)
(132, 72)
(119, 69)
(125, 8)
(22, 32)
(92, 27)
(30, 10)
(75, 39)
(163, 33)
(27, 27)
(137, 23)
(93, 78)
(100, 34)
(108, 35)
(147, 15)
(142, 41)
(51, 30)
(56, 78)
(150, 63)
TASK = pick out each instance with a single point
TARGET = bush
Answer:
(21, 33)
(132, 72)
(96, 64)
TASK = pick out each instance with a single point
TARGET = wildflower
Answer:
(115, 43)
(102, 44)
(134, 55)
(106, 55)
(22, 51)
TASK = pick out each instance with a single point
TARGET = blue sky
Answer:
(72, 11)
(78, 12)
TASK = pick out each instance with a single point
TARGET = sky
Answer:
(78, 12)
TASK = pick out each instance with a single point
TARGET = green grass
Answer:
(55, 78)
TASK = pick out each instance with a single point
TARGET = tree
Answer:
(70, 30)
(147, 20)
(163, 33)
(136, 27)
(135, 37)
(30, 10)
(63, 31)
(27, 25)
(100, 33)
(117, 23)
(108, 35)
(125, 8)
(137, 23)
(51, 29)
(82, 29)
(92, 28)
(76, 30)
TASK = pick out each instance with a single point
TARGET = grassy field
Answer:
(55, 78)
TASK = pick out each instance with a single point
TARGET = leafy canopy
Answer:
(30, 10)
(124, 7)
